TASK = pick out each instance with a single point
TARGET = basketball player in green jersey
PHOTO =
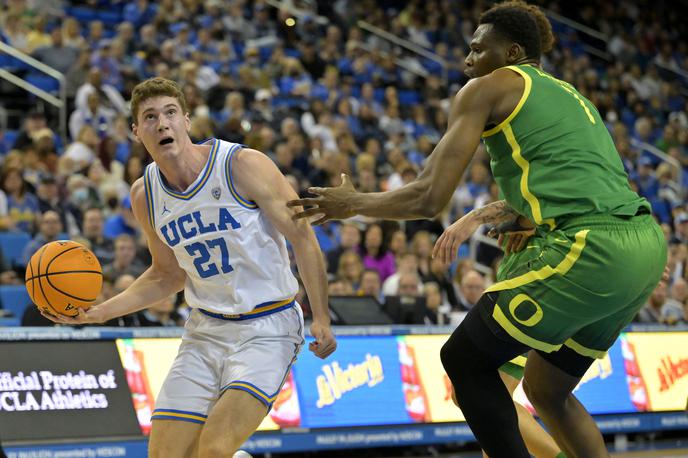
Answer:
(596, 255)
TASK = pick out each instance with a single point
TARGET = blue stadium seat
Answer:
(110, 18)
(5, 322)
(45, 82)
(83, 15)
(408, 97)
(12, 244)
(14, 299)
(7, 140)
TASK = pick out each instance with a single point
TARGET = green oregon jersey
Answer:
(553, 157)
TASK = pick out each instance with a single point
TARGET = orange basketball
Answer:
(62, 276)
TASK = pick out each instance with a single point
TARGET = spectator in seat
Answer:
(124, 262)
(50, 227)
(162, 313)
(472, 287)
(371, 285)
(102, 247)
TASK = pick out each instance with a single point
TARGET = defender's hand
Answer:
(451, 239)
(325, 344)
(331, 203)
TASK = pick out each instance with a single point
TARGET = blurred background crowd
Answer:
(320, 88)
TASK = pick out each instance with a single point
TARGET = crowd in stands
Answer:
(320, 95)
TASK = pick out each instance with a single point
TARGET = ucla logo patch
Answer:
(216, 192)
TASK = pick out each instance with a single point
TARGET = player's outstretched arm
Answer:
(429, 193)
(260, 180)
(163, 278)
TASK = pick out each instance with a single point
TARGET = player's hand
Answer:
(451, 239)
(324, 344)
(513, 237)
(92, 315)
(331, 203)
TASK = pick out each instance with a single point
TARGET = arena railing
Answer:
(59, 102)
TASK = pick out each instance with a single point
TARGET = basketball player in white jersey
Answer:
(216, 219)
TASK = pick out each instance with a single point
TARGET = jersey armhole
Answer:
(249, 204)
(149, 195)
(526, 92)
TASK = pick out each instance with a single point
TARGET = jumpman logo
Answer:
(165, 209)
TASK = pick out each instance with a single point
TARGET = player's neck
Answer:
(181, 169)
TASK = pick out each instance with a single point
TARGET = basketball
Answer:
(62, 276)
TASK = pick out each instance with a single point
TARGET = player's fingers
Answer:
(317, 191)
(308, 213)
(322, 220)
(49, 316)
(523, 242)
(436, 250)
(453, 250)
(500, 240)
(305, 202)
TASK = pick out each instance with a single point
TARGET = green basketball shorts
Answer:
(580, 284)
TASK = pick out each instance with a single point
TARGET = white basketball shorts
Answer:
(219, 354)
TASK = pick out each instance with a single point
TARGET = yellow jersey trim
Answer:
(519, 361)
(547, 271)
(254, 390)
(517, 334)
(524, 165)
(178, 415)
(519, 105)
(585, 351)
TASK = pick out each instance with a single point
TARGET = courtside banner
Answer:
(63, 390)
(399, 380)
(657, 368)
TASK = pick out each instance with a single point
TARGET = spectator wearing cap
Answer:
(49, 230)
(57, 55)
(49, 200)
(101, 246)
(122, 222)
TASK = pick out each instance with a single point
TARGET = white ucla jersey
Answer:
(234, 258)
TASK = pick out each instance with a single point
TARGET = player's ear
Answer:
(514, 52)
(187, 121)
(135, 130)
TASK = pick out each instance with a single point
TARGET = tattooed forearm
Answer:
(498, 212)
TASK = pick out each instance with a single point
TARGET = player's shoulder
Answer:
(138, 195)
(249, 160)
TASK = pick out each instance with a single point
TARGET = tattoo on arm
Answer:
(496, 213)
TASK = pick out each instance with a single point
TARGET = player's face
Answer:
(162, 126)
(487, 54)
